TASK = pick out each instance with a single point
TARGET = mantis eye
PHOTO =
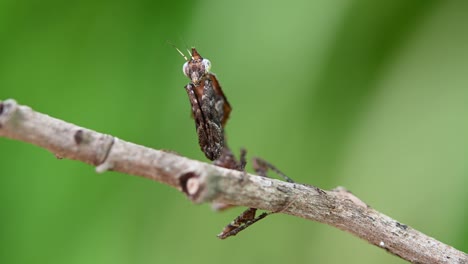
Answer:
(185, 69)
(207, 65)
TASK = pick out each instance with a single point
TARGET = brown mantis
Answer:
(211, 110)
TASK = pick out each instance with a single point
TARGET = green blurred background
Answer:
(369, 95)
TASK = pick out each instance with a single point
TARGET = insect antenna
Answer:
(186, 47)
(178, 50)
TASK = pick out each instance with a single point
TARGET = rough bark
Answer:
(203, 182)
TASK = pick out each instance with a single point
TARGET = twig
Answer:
(203, 182)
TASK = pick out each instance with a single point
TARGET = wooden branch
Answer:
(203, 182)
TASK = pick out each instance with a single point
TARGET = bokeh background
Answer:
(369, 95)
